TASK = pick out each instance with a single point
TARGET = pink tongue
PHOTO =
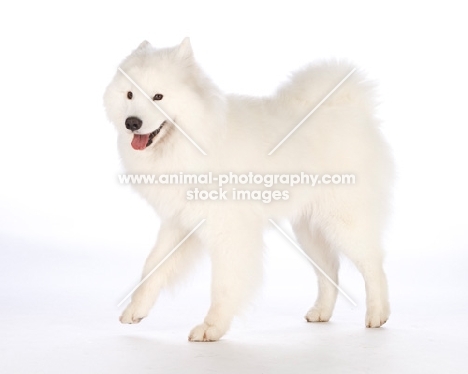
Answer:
(139, 141)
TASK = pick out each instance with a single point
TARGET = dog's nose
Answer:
(133, 123)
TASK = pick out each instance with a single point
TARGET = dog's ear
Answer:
(144, 45)
(184, 50)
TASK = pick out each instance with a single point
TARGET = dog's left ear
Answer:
(144, 45)
(184, 50)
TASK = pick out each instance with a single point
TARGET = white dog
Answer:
(237, 133)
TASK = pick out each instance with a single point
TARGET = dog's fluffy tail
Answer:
(309, 85)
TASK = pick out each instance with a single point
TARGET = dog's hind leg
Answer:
(317, 248)
(358, 239)
(170, 235)
(236, 256)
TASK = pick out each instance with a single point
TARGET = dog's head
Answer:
(151, 92)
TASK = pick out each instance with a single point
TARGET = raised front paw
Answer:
(134, 313)
(205, 333)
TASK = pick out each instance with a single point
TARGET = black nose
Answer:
(133, 123)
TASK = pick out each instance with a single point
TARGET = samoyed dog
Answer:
(196, 129)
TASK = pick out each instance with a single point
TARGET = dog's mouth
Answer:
(141, 141)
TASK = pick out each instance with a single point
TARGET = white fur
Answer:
(237, 132)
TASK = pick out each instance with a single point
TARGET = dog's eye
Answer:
(158, 97)
(129, 95)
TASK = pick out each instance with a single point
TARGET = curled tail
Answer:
(308, 86)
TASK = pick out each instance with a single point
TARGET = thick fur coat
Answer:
(237, 133)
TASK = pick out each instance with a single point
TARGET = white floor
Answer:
(59, 316)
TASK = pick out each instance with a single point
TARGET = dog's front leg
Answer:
(236, 258)
(170, 235)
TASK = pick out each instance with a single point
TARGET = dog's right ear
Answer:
(144, 45)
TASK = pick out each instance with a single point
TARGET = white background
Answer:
(72, 241)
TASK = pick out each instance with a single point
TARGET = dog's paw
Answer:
(205, 333)
(133, 314)
(317, 314)
(377, 316)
